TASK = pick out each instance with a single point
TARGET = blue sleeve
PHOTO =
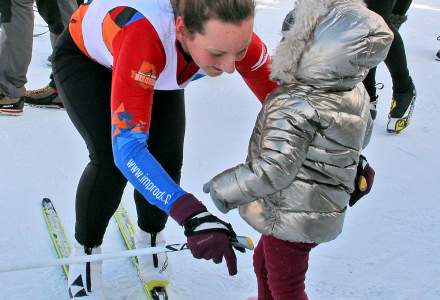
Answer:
(142, 170)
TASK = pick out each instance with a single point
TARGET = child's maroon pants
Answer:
(281, 268)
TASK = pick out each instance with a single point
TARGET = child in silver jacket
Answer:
(304, 150)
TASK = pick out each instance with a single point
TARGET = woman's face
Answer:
(219, 47)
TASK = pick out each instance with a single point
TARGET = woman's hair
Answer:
(196, 12)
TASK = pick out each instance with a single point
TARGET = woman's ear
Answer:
(180, 28)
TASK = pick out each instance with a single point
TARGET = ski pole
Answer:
(43, 263)
(244, 242)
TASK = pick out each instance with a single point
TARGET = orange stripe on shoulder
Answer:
(76, 30)
(109, 30)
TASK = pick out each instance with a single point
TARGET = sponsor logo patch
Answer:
(146, 76)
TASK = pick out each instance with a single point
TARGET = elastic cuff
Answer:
(185, 207)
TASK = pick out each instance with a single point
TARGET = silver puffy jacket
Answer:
(304, 150)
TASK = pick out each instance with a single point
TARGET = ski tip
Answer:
(46, 200)
(159, 293)
(157, 289)
(249, 242)
(47, 203)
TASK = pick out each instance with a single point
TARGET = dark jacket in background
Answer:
(5, 11)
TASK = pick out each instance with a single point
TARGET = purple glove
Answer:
(363, 181)
(208, 237)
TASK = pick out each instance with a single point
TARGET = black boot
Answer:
(401, 110)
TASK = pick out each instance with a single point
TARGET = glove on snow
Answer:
(363, 181)
(208, 237)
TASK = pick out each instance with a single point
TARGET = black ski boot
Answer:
(401, 110)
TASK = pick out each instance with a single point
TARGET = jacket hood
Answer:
(331, 44)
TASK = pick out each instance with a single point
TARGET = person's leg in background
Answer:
(50, 13)
(16, 40)
(398, 15)
(66, 9)
(383, 8)
(57, 15)
(403, 87)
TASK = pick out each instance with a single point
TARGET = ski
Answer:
(56, 231)
(154, 289)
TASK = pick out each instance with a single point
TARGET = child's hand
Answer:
(221, 206)
(363, 181)
(207, 187)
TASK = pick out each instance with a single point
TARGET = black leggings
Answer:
(396, 59)
(85, 90)
(401, 7)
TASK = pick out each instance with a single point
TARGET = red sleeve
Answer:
(137, 62)
(255, 69)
